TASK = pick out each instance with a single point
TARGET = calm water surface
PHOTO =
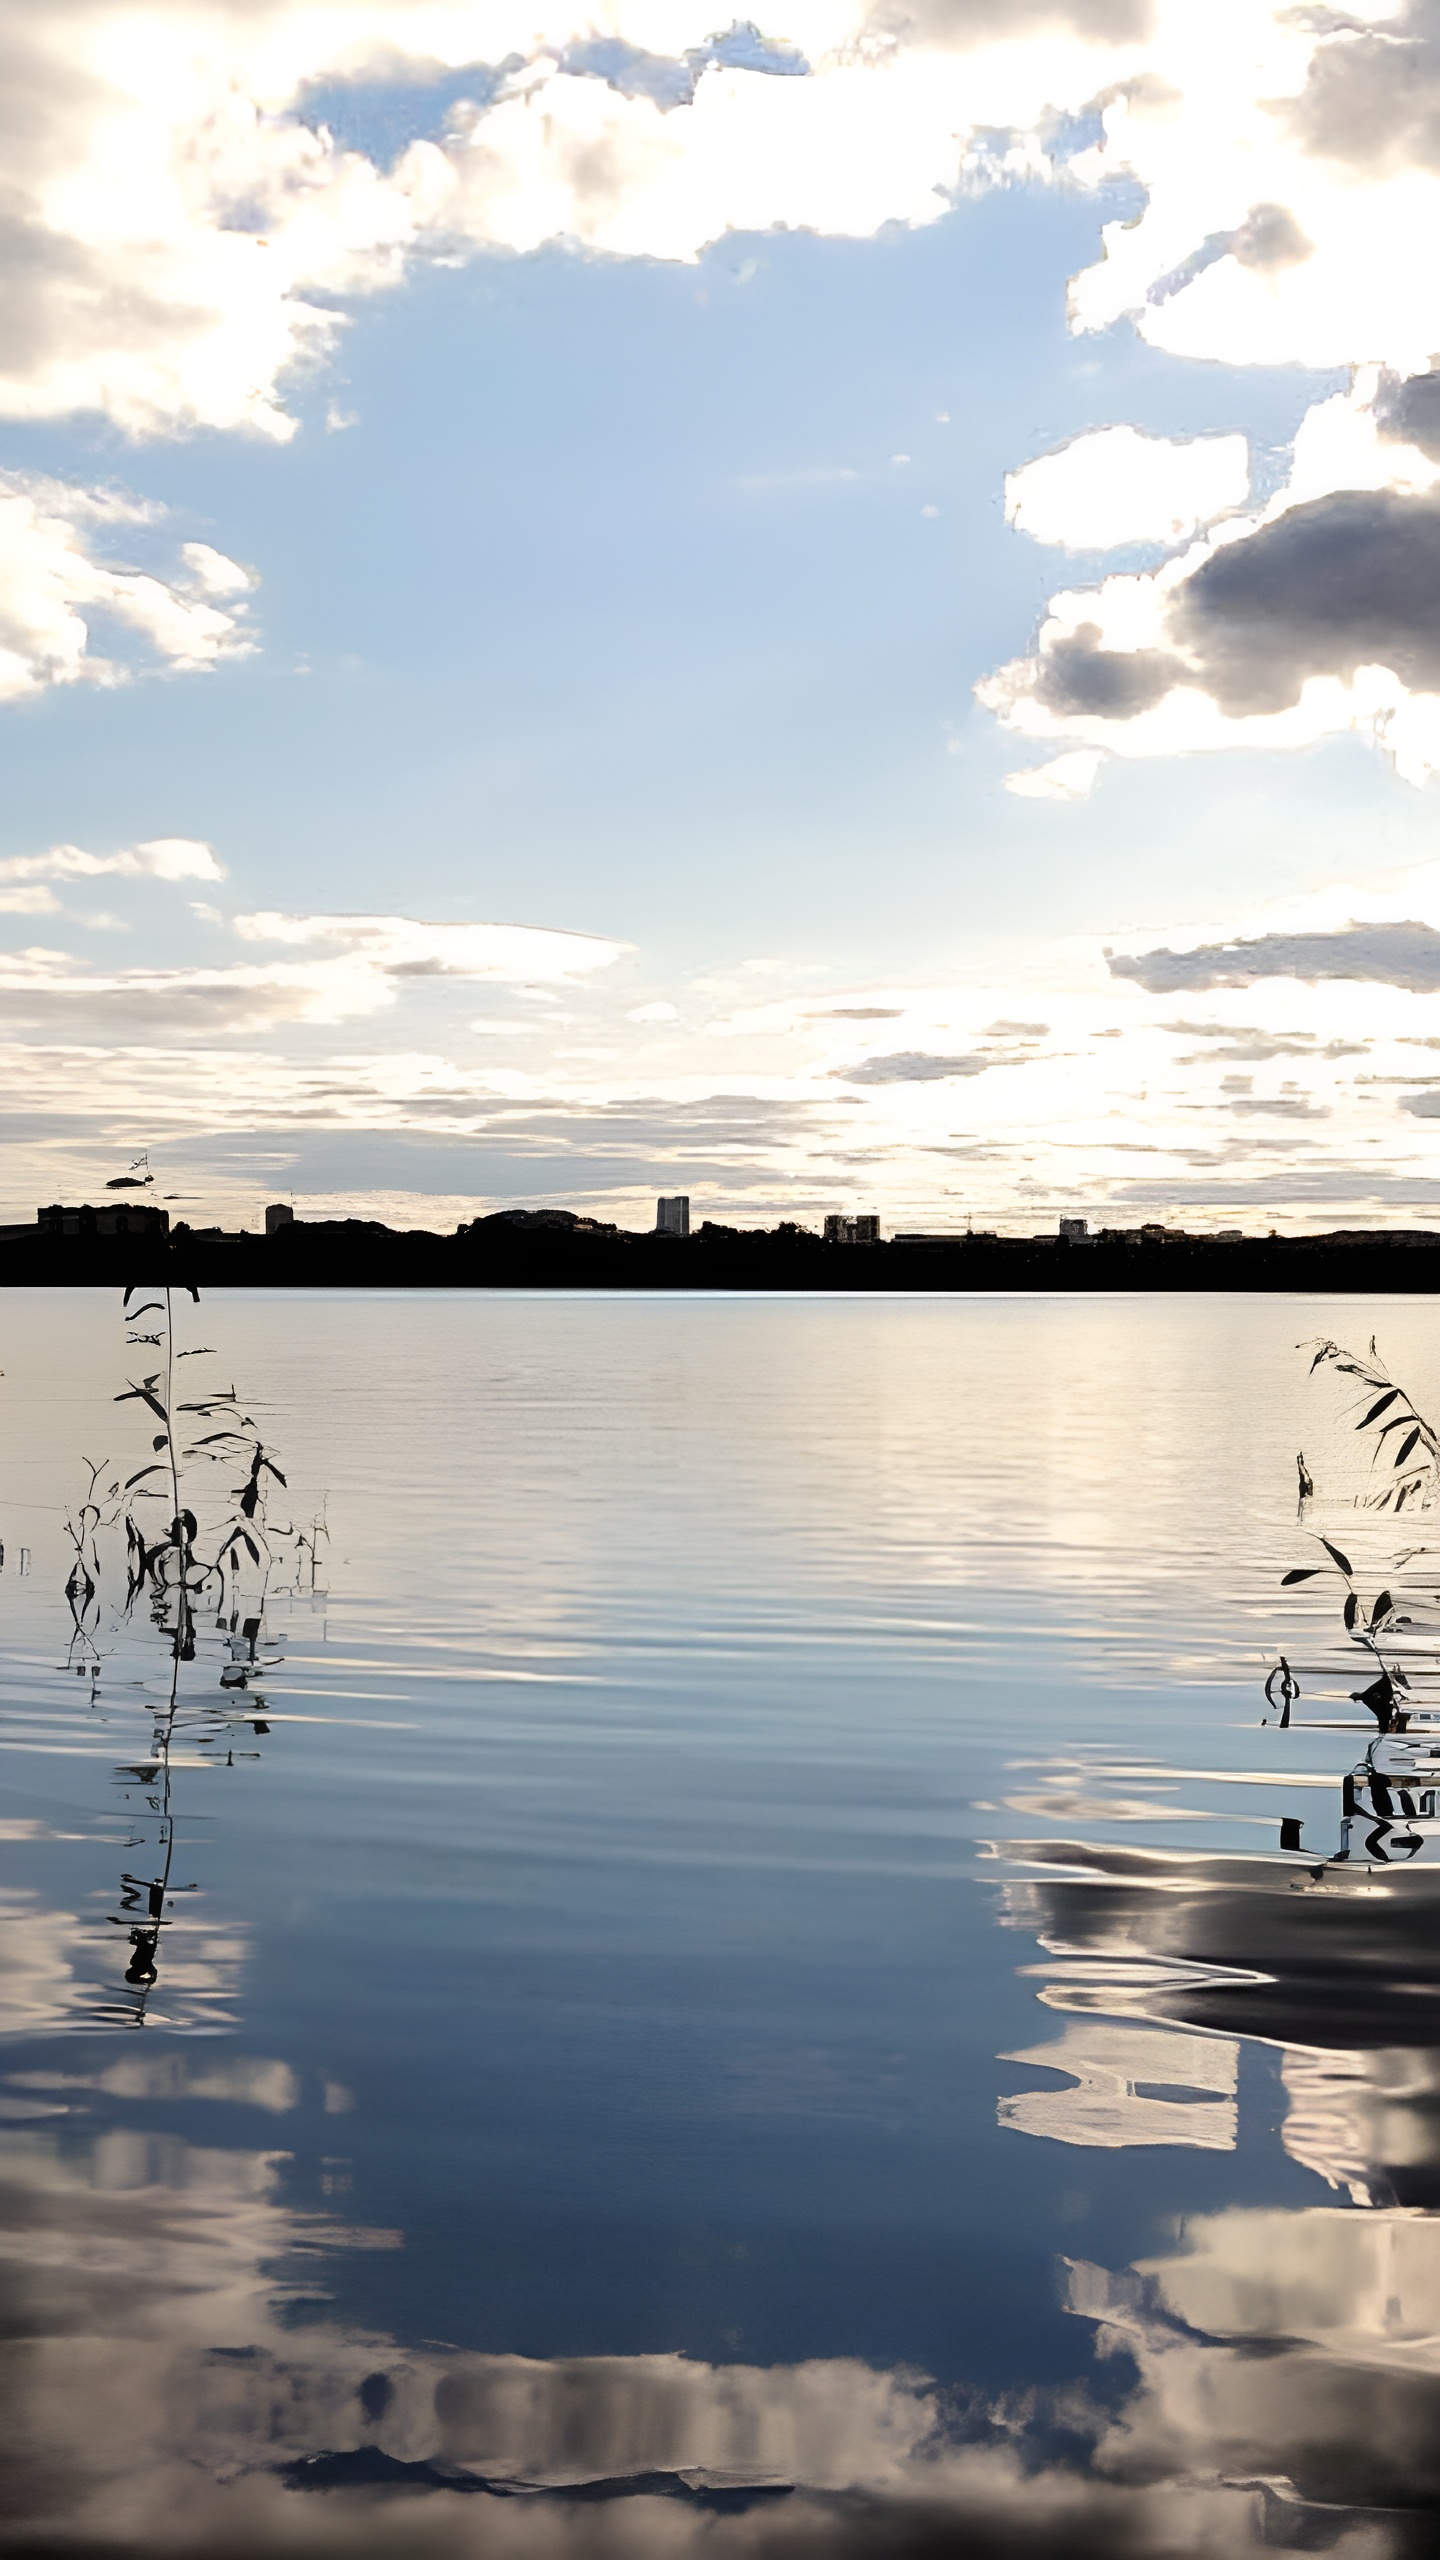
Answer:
(715, 1969)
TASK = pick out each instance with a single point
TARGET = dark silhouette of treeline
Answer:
(552, 1248)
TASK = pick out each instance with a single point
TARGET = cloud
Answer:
(233, 1069)
(1069, 777)
(1282, 190)
(1400, 954)
(29, 902)
(1116, 486)
(1316, 616)
(1408, 412)
(1282, 195)
(1278, 1106)
(912, 1066)
(185, 216)
(1350, 580)
(162, 858)
(55, 582)
(404, 947)
(183, 211)
(1371, 99)
(362, 964)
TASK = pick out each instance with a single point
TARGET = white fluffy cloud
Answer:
(1115, 486)
(25, 878)
(55, 581)
(179, 218)
(162, 858)
(1286, 188)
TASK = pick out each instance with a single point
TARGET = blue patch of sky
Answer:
(381, 118)
(622, 616)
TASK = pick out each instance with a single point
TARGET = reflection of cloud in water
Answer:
(165, 2396)
(1129, 2085)
(40, 1956)
(1343, 1974)
(53, 1964)
(1298, 2345)
(241, 2079)
(1348, 2111)
(1297, 2348)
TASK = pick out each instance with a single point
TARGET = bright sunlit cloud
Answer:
(55, 577)
(1116, 486)
(164, 858)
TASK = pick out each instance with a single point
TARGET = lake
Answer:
(676, 1934)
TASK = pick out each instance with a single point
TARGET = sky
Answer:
(833, 612)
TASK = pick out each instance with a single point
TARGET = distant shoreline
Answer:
(529, 1251)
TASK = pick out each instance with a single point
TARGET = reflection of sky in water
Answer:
(577, 2062)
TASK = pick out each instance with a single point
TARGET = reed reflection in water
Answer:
(630, 1881)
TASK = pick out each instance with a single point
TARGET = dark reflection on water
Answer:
(536, 2090)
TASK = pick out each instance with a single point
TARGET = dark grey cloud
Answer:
(1399, 955)
(1345, 581)
(1348, 580)
(1422, 1106)
(912, 1066)
(1080, 675)
(1372, 97)
(1408, 412)
(858, 1013)
(1017, 1030)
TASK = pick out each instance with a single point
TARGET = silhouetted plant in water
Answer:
(1413, 1463)
(221, 1557)
(1387, 1409)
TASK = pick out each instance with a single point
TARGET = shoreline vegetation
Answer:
(556, 1248)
